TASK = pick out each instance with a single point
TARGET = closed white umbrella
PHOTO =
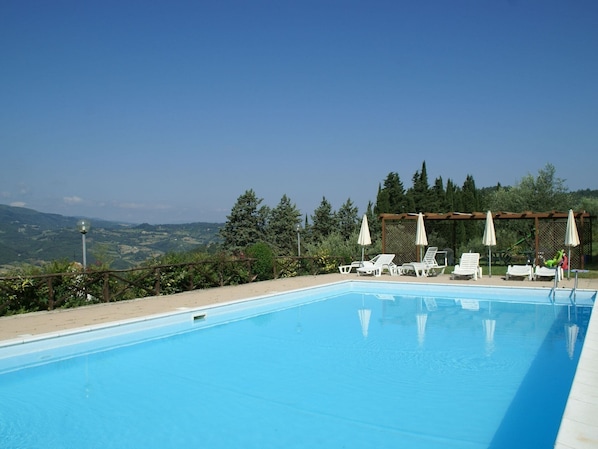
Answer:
(422, 319)
(489, 239)
(364, 238)
(571, 239)
(364, 317)
(489, 327)
(364, 320)
(421, 239)
(571, 331)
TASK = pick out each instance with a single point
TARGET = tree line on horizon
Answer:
(259, 242)
(335, 232)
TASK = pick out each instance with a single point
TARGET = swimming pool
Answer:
(351, 365)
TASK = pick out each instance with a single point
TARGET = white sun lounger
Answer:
(545, 272)
(377, 265)
(427, 267)
(346, 269)
(520, 271)
(469, 266)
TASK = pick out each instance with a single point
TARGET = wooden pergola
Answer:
(549, 231)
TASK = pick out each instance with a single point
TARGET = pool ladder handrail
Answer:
(573, 294)
(552, 294)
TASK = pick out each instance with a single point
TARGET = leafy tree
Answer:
(589, 205)
(543, 193)
(246, 223)
(347, 219)
(323, 221)
(282, 227)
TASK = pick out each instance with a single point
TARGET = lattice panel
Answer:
(586, 238)
(400, 240)
(551, 238)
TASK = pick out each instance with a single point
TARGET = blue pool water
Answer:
(355, 365)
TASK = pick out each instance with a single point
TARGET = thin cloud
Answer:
(142, 206)
(72, 200)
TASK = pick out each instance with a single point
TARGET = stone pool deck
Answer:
(579, 428)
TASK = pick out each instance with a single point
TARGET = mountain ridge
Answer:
(31, 237)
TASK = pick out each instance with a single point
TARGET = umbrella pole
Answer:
(362, 252)
(489, 261)
(569, 264)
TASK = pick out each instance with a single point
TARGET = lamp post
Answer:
(83, 226)
(298, 241)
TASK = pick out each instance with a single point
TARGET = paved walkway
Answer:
(19, 326)
(579, 429)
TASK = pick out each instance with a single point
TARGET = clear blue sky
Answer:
(168, 111)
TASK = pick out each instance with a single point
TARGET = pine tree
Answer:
(246, 223)
(396, 193)
(323, 221)
(382, 202)
(347, 219)
(282, 227)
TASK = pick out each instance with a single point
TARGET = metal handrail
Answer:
(552, 294)
(574, 290)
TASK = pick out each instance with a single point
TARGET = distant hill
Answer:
(28, 236)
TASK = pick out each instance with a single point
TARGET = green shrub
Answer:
(263, 267)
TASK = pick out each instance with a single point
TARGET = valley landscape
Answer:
(31, 237)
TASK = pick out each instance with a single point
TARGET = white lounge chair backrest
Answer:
(469, 261)
(428, 266)
(377, 264)
(429, 259)
(382, 260)
(469, 265)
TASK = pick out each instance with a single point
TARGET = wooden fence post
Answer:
(157, 283)
(106, 287)
(50, 293)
